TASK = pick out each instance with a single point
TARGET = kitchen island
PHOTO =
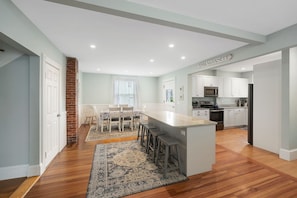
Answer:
(196, 137)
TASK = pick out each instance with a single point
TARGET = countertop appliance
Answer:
(195, 104)
(211, 91)
(215, 113)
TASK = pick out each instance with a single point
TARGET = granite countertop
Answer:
(177, 120)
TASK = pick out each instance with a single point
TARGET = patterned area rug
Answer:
(121, 169)
(94, 135)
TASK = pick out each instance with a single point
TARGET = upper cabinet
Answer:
(199, 82)
(239, 87)
(228, 87)
(197, 87)
(210, 81)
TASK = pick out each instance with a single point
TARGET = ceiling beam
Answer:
(162, 17)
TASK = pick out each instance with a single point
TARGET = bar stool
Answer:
(139, 130)
(152, 136)
(168, 142)
(140, 133)
(146, 128)
(143, 132)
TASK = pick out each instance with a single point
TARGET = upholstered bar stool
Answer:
(169, 143)
(152, 136)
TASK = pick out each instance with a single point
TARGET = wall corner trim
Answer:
(34, 170)
(288, 155)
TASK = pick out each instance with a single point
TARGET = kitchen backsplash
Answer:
(227, 102)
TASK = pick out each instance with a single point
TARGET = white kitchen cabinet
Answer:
(201, 81)
(202, 114)
(235, 117)
(244, 88)
(229, 119)
(197, 86)
(228, 87)
(239, 115)
(220, 85)
(245, 117)
(210, 81)
(234, 87)
(239, 87)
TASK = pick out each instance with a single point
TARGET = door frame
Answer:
(45, 59)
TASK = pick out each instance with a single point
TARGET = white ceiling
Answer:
(125, 46)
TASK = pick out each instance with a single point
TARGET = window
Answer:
(125, 92)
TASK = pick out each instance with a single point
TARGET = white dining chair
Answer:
(115, 117)
(90, 114)
(127, 117)
(103, 121)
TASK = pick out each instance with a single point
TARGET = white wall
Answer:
(267, 106)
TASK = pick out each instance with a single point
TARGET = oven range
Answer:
(215, 113)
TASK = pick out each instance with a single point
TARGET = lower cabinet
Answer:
(202, 114)
(235, 117)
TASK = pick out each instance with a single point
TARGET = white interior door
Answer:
(51, 108)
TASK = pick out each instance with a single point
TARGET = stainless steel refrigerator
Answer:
(250, 113)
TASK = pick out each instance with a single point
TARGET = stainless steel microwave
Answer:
(211, 91)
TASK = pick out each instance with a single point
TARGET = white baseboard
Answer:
(34, 170)
(11, 172)
(18, 171)
(288, 155)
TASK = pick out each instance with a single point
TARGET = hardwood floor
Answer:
(240, 171)
(7, 187)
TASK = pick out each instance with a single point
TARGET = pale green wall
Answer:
(97, 88)
(148, 89)
(14, 112)
(17, 31)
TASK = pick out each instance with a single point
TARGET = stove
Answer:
(215, 113)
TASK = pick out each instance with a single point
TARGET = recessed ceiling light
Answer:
(98, 69)
(152, 60)
(93, 46)
(171, 45)
(183, 57)
(243, 68)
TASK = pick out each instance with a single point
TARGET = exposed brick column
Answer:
(72, 100)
